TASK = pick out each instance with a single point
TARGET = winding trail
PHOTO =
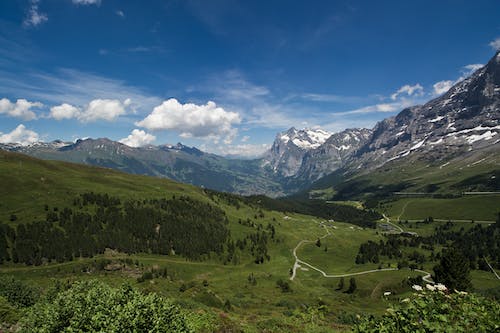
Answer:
(494, 272)
(403, 209)
(298, 262)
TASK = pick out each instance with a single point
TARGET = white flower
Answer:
(430, 287)
(441, 287)
(417, 287)
(387, 293)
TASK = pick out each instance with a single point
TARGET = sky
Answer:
(225, 75)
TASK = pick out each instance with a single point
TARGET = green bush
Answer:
(8, 313)
(437, 311)
(92, 306)
(17, 292)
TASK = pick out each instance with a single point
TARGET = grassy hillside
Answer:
(238, 294)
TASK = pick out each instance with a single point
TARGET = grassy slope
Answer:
(31, 183)
(465, 208)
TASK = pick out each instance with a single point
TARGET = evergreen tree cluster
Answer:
(183, 226)
(371, 251)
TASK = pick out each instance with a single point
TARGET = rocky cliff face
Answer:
(333, 153)
(463, 119)
(289, 148)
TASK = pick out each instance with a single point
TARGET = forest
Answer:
(96, 221)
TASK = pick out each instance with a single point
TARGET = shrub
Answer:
(17, 292)
(92, 306)
(437, 311)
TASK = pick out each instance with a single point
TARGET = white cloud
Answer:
(383, 107)
(120, 13)
(191, 120)
(87, 2)
(64, 111)
(74, 87)
(469, 69)
(138, 138)
(34, 16)
(442, 86)
(20, 109)
(245, 138)
(495, 44)
(103, 109)
(20, 135)
(415, 90)
(97, 109)
(244, 150)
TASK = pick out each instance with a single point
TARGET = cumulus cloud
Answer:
(469, 69)
(192, 120)
(103, 109)
(64, 111)
(87, 2)
(20, 109)
(34, 16)
(442, 86)
(97, 109)
(20, 135)
(245, 150)
(138, 138)
(415, 90)
(495, 44)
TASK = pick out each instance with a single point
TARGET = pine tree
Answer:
(453, 270)
(352, 286)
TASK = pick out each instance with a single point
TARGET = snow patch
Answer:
(438, 118)
(417, 145)
(488, 135)
(399, 133)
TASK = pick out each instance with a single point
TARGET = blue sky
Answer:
(227, 75)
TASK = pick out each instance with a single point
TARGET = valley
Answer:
(295, 285)
(321, 233)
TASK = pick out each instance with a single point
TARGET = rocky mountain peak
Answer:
(466, 117)
(288, 150)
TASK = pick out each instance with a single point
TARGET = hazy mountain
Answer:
(179, 162)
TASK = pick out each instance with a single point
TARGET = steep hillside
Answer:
(466, 118)
(177, 162)
(447, 146)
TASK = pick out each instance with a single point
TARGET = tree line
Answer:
(181, 225)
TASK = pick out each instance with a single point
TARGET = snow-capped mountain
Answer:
(333, 153)
(465, 121)
(288, 150)
(465, 118)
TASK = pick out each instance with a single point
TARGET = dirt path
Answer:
(494, 272)
(403, 210)
(298, 262)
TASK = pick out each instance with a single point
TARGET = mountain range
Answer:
(463, 125)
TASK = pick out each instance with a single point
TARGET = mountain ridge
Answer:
(464, 119)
